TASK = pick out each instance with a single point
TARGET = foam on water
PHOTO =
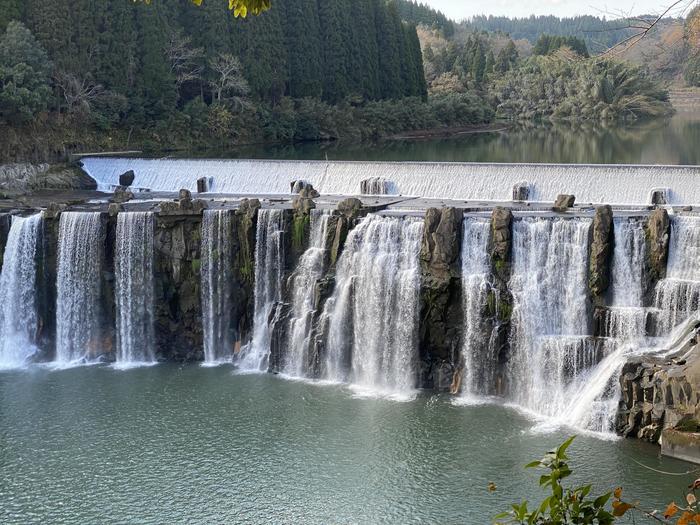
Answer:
(590, 183)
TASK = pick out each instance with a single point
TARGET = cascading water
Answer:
(303, 306)
(18, 305)
(464, 181)
(478, 355)
(678, 295)
(217, 261)
(78, 287)
(269, 272)
(626, 317)
(373, 314)
(549, 339)
(135, 289)
(594, 397)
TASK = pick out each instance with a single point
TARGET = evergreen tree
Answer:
(478, 63)
(507, 58)
(155, 85)
(118, 47)
(390, 39)
(490, 62)
(51, 24)
(334, 35)
(421, 88)
(24, 74)
(10, 10)
(303, 45)
(363, 54)
(262, 49)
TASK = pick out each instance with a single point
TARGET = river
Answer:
(192, 444)
(171, 444)
(671, 141)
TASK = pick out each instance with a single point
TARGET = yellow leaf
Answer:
(685, 518)
(618, 492)
(620, 508)
(671, 510)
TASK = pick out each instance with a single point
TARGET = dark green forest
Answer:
(169, 75)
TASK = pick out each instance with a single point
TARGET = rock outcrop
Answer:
(177, 266)
(17, 179)
(245, 222)
(441, 296)
(521, 191)
(601, 250)
(126, 179)
(375, 186)
(658, 234)
(658, 395)
(564, 202)
(499, 304)
(121, 195)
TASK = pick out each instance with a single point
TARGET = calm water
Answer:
(673, 141)
(172, 444)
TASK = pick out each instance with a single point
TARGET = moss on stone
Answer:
(300, 224)
(196, 265)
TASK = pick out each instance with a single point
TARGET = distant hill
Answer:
(598, 33)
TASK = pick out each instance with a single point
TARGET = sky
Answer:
(460, 9)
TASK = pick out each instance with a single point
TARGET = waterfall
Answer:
(78, 312)
(135, 288)
(373, 314)
(464, 181)
(18, 305)
(678, 295)
(217, 261)
(478, 355)
(303, 287)
(626, 318)
(549, 337)
(269, 272)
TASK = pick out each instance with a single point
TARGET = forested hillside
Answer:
(598, 33)
(80, 74)
(171, 74)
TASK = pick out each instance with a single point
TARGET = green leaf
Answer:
(561, 451)
(600, 501)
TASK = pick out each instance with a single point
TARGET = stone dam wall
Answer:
(656, 393)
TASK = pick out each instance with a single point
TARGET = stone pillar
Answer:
(564, 202)
(46, 279)
(521, 191)
(500, 300)
(441, 299)
(601, 250)
(245, 223)
(177, 265)
(658, 231)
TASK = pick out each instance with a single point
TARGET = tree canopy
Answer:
(241, 7)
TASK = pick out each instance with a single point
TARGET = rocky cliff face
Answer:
(17, 179)
(660, 394)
